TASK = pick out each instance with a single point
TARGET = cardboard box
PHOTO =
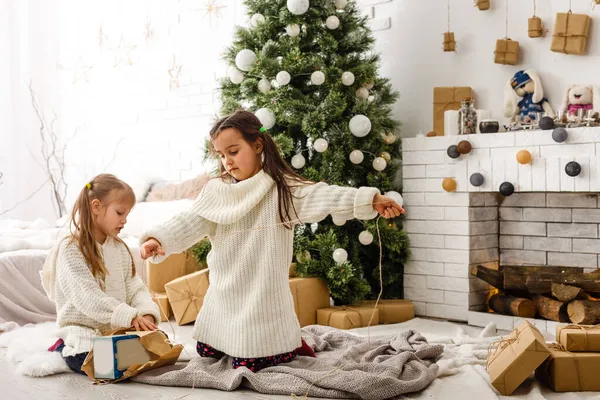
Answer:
(162, 301)
(535, 28)
(507, 52)
(310, 294)
(347, 317)
(570, 33)
(447, 98)
(564, 371)
(483, 4)
(186, 295)
(449, 42)
(578, 337)
(122, 354)
(173, 267)
(515, 357)
(292, 273)
(393, 311)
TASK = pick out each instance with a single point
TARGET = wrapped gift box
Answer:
(186, 295)
(535, 28)
(292, 273)
(162, 301)
(449, 42)
(564, 371)
(515, 357)
(173, 267)
(578, 337)
(507, 52)
(393, 311)
(570, 33)
(310, 294)
(347, 317)
(447, 98)
(482, 4)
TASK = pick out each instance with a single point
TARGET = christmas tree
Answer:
(308, 72)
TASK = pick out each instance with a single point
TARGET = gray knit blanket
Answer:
(346, 367)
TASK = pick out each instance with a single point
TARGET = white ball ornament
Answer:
(264, 85)
(283, 78)
(340, 256)
(257, 19)
(387, 156)
(317, 78)
(347, 78)
(397, 197)
(339, 221)
(245, 59)
(298, 7)
(235, 76)
(292, 30)
(341, 4)
(369, 85)
(332, 22)
(379, 164)
(321, 145)
(360, 125)
(356, 157)
(298, 161)
(266, 117)
(365, 238)
(362, 93)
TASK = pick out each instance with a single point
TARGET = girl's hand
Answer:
(143, 323)
(151, 247)
(386, 207)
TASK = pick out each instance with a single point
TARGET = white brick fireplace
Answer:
(551, 219)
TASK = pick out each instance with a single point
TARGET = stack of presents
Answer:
(570, 365)
(179, 287)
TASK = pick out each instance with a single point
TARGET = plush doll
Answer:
(581, 97)
(524, 96)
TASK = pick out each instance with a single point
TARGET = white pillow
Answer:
(145, 215)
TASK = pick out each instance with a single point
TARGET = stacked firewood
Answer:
(564, 294)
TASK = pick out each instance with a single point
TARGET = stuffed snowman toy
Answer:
(524, 97)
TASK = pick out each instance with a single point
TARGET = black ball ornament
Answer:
(476, 179)
(506, 189)
(573, 168)
(546, 123)
(453, 151)
(560, 135)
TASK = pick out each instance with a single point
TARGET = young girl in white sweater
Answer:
(91, 276)
(248, 212)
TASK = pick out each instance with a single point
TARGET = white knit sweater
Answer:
(248, 310)
(83, 309)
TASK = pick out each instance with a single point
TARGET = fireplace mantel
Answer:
(452, 231)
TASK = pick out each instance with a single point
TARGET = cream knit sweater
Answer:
(83, 309)
(248, 310)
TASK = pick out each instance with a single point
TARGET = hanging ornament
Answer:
(397, 197)
(264, 85)
(337, 220)
(332, 22)
(283, 78)
(523, 157)
(365, 238)
(507, 50)
(321, 145)
(464, 147)
(573, 168)
(317, 78)
(292, 30)
(348, 78)
(368, 85)
(559, 135)
(235, 76)
(298, 161)
(356, 157)
(476, 179)
(449, 42)
(340, 256)
(482, 5)
(546, 123)
(257, 19)
(453, 151)
(449, 184)
(535, 27)
(298, 7)
(341, 4)
(506, 189)
(245, 60)
(266, 117)
(314, 226)
(360, 125)
(303, 257)
(362, 93)
(386, 156)
(389, 138)
(379, 164)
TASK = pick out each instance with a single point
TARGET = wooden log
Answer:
(541, 282)
(492, 276)
(584, 312)
(566, 293)
(551, 309)
(515, 276)
(509, 305)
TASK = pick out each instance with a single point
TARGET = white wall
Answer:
(412, 53)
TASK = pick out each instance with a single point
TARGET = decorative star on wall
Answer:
(123, 53)
(81, 72)
(148, 32)
(102, 37)
(174, 74)
(210, 8)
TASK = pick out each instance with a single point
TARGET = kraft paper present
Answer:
(507, 52)
(570, 33)
(173, 267)
(579, 337)
(348, 317)
(449, 42)
(482, 4)
(512, 359)
(535, 28)
(292, 273)
(447, 98)
(310, 294)
(393, 311)
(186, 295)
(156, 351)
(564, 371)
(162, 301)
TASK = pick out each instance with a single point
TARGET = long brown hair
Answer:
(105, 188)
(249, 126)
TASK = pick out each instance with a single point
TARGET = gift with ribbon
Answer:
(447, 98)
(348, 317)
(393, 311)
(565, 371)
(512, 359)
(186, 295)
(579, 337)
(570, 33)
(162, 301)
(310, 294)
(507, 52)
